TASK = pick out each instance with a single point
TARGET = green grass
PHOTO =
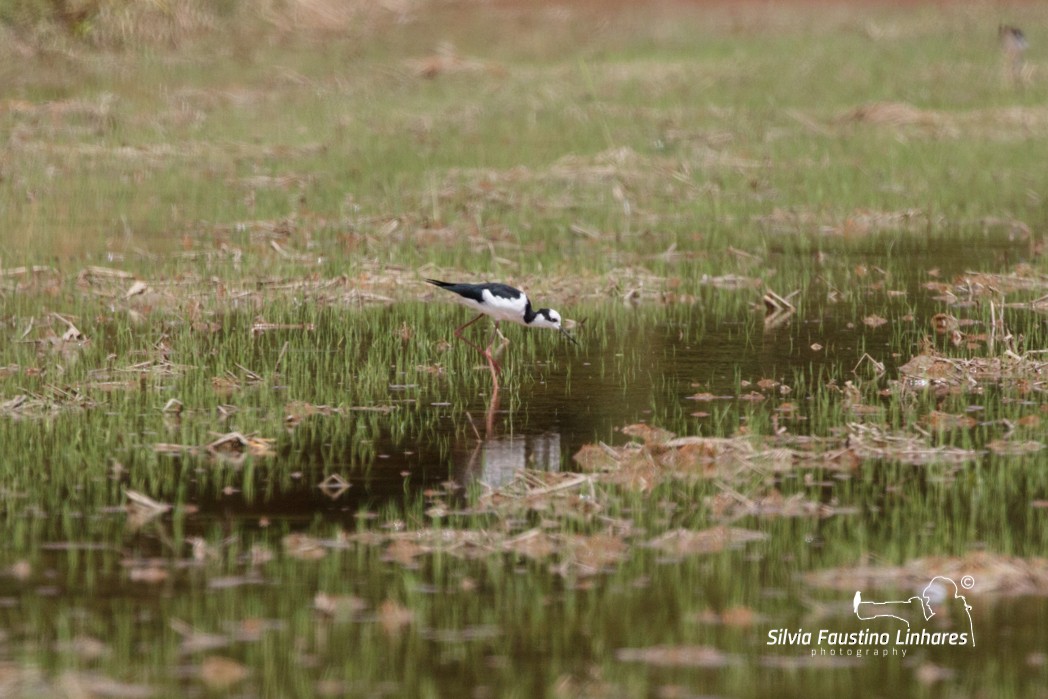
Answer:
(720, 130)
(648, 172)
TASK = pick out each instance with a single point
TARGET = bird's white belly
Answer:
(501, 309)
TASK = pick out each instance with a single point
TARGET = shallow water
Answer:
(642, 365)
(92, 597)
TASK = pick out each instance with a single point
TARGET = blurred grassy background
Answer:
(219, 202)
(312, 137)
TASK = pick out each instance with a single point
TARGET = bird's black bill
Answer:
(568, 335)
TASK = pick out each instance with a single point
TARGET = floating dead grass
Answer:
(147, 571)
(677, 656)
(642, 467)
(589, 554)
(972, 286)
(393, 617)
(1014, 447)
(232, 446)
(532, 489)
(339, 607)
(801, 662)
(1025, 373)
(219, 673)
(557, 498)
(142, 509)
(993, 574)
(405, 546)
(739, 459)
(736, 617)
(942, 421)
(914, 448)
(79, 683)
(568, 554)
(27, 406)
(297, 411)
(686, 542)
(731, 505)
(55, 335)
(304, 547)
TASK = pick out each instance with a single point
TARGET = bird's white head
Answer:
(548, 318)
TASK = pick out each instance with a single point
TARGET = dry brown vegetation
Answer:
(258, 188)
(996, 574)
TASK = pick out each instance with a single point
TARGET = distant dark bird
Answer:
(1013, 45)
(501, 302)
(1012, 36)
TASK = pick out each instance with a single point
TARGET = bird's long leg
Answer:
(461, 328)
(492, 364)
(493, 407)
(494, 367)
(502, 346)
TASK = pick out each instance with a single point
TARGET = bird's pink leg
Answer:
(492, 364)
(493, 407)
(460, 329)
(495, 368)
(492, 356)
(491, 343)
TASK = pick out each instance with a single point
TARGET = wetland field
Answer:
(798, 451)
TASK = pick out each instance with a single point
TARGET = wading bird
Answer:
(1014, 45)
(501, 302)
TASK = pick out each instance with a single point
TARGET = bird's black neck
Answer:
(529, 313)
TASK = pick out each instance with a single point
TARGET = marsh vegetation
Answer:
(243, 453)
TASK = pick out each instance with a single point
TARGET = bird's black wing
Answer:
(504, 291)
(475, 292)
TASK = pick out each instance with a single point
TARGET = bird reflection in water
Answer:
(496, 459)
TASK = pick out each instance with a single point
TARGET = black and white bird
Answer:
(503, 303)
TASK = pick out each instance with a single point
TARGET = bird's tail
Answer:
(437, 282)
